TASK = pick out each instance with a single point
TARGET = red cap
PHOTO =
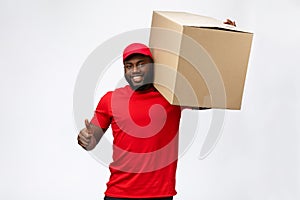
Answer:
(136, 48)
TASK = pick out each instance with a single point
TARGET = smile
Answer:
(137, 78)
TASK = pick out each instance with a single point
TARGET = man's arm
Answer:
(90, 136)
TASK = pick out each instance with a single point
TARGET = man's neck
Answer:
(144, 88)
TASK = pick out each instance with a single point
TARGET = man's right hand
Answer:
(86, 137)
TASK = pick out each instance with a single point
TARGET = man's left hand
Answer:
(229, 22)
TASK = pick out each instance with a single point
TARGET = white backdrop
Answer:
(43, 45)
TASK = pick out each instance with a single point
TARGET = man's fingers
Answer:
(228, 21)
(85, 137)
(82, 143)
(88, 125)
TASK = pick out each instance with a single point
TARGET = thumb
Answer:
(87, 125)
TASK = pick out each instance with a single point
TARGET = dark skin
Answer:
(229, 22)
(89, 137)
(138, 71)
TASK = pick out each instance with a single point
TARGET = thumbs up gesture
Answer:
(88, 126)
(86, 137)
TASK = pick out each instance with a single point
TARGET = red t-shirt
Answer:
(145, 146)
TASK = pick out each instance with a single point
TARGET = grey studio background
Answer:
(43, 45)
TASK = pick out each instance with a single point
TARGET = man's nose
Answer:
(136, 68)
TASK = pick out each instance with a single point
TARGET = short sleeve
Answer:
(102, 116)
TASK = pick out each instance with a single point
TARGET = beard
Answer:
(145, 84)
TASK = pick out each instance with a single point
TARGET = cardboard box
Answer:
(199, 61)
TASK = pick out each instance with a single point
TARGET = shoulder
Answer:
(107, 95)
(122, 90)
(126, 88)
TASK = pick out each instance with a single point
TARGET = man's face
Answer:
(138, 71)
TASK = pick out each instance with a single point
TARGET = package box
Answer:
(199, 61)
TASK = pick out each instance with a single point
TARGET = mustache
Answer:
(136, 74)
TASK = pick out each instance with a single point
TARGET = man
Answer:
(145, 130)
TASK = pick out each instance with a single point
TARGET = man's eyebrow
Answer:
(127, 62)
(141, 60)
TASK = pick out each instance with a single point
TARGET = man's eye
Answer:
(140, 64)
(128, 66)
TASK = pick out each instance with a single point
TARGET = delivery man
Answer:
(145, 130)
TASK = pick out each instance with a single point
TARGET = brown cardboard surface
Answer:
(199, 61)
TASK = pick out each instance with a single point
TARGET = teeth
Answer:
(137, 78)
